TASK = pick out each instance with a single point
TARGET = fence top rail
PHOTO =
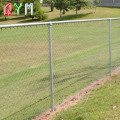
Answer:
(55, 22)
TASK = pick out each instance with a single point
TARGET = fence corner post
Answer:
(51, 66)
(110, 54)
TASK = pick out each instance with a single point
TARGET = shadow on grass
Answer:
(71, 17)
(24, 19)
(13, 18)
(29, 20)
(66, 17)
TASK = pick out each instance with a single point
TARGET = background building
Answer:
(110, 3)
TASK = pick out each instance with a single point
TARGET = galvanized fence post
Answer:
(110, 53)
(51, 67)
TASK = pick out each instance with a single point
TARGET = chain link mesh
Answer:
(80, 56)
(24, 72)
(115, 28)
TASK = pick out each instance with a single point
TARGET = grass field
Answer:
(101, 12)
(102, 104)
(80, 56)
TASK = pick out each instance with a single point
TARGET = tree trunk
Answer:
(95, 9)
(52, 8)
(5, 18)
(60, 14)
(76, 11)
(32, 18)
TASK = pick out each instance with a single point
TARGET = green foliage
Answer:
(64, 11)
(96, 2)
(40, 15)
(1, 9)
(51, 3)
(37, 12)
(62, 5)
(13, 8)
(78, 4)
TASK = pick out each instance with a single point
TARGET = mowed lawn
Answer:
(80, 56)
(101, 104)
(101, 12)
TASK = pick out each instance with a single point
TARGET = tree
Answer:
(2, 4)
(62, 5)
(78, 4)
(96, 2)
(37, 12)
(51, 3)
(1, 9)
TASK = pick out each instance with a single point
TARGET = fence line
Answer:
(55, 39)
(50, 36)
(56, 22)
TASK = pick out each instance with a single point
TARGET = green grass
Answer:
(80, 56)
(98, 105)
(101, 12)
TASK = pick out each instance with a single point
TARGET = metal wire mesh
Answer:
(115, 28)
(81, 52)
(24, 72)
(80, 56)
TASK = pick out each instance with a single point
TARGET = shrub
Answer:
(37, 12)
(1, 9)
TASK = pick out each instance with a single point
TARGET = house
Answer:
(109, 3)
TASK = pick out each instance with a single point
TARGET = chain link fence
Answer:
(42, 64)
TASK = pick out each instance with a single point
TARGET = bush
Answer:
(40, 15)
(37, 12)
(13, 8)
(1, 9)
